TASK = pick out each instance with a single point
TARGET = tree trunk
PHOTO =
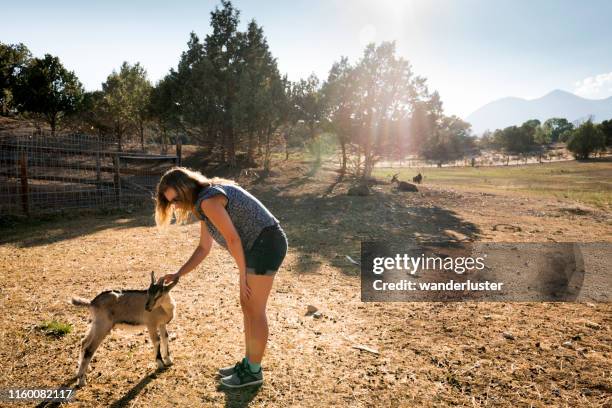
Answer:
(119, 134)
(141, 130)
(366, 157)
(222, 150)
(286, 137)
(315, 143)
(260, 134)
(179, 150)
(267, 163)
(164, 139)
(250, 147)
(231, 148)
(286, 151)
(343, 164)
(53, 123)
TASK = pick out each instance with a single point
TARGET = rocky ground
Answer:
(352, 353)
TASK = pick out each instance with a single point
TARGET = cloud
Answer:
(598, 86)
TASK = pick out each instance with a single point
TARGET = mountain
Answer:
(561, 104)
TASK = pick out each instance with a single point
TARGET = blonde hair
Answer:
(188, 183)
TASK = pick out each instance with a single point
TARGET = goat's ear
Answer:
(152, 277)
(170, 286)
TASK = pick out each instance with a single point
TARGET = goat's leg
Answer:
(84, 344)
(165, 349)
(89, 345)
(153, 333)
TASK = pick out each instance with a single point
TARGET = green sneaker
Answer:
(242, 377)
(229, 370)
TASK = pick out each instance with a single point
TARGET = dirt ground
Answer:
(426, 354)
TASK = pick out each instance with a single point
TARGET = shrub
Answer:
(585, 140)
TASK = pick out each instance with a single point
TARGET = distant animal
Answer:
(153, 308)
(403, 185)
(418, 178)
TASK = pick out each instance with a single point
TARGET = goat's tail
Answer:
(77, 301)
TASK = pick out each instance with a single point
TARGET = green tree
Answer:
(126, 96)
(13, 59)
(141, 96)
(92, 115)
(542, 135)
(387, 90)
(606, 128)
(291, 113)
(585, 140)
(276, 113)
(451, 140)
(260, 93)
(532, 123)
(528, 132)
(226, 90)
(46, 87)
(516, 139)
(222, 49)
(339, 100)
(486, 140)
(423, 122)
(164, 106)
(556, 127)
(309, 103)
(195, 92)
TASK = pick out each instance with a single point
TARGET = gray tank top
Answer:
(248, 214)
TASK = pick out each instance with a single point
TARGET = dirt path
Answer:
(426, 353)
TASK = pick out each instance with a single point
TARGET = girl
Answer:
(240, 223)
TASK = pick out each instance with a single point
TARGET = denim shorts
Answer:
(268, 251)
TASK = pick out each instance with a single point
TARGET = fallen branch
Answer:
(352, 260)
(366, 348)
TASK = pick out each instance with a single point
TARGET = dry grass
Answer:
(429, 354)
(588, 182)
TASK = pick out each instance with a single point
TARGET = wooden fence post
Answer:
(117, 180)
(98, 176)
(23, 172)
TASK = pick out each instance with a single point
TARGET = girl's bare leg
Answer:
(255, 313)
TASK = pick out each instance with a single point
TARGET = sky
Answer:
(471, 51)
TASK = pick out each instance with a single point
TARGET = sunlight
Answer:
(394, 10)
(367, 35)
(395, 7)
(396, 15)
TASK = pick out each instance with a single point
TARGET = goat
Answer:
(402, 185)
(153, 308)
(418, 178)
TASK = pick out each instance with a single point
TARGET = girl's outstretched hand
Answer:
(171, 277)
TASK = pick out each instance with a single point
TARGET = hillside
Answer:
(514, 111)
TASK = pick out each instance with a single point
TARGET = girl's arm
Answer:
(215, 211)
(201, 252)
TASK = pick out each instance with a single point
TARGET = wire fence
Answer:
(42, 172)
